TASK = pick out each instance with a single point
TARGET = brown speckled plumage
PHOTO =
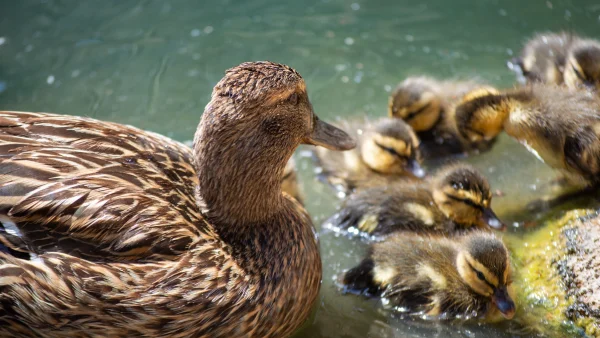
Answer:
(120, 247)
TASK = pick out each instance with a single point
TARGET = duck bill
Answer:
(328, 136)
(415, 168)
(490, 219)
(503, 302)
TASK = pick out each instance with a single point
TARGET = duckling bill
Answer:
(442, 277)
(456, 199)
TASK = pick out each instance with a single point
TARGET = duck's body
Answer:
(427, 105)
(457, 198)
(387, 152)
(442, 277)
(561, 58)
(108, 230)
(558, 125)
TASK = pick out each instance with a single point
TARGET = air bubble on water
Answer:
(387, 88)
(28, 48)
(195, 32)
(549, 4)
(355, 6)
(2, 86)
(409, 38)
(509, 51)
(358, 77)
(208, 29)
(75, 73)
(349, 41)
(502, 12)
(2, 40)
(340, 67)
(345, 79)
(426, 50)
(50, 79)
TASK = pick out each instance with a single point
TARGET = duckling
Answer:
(427, 105)
(387, 151)
(289, 181)
(443, 277)
(557, 58)
(129, 233)
(582, 68)
(457, 198)
(559, 125)
(543, 58)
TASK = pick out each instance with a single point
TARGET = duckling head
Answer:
(416, 103)
(483, 263)
(481, 114)
(258, 114)
(582, 68)
(392, 148)
(463, 194)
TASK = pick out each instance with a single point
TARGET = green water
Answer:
(152, 64)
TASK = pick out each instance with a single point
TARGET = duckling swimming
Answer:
(427, 105)
(457, 198)
(443, 277)
(559, 125)
(557, 58)
(543, 58)
(387, 151)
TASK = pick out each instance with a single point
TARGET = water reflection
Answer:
(152, 64)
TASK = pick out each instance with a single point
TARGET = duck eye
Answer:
(480, 276)
(293, 99)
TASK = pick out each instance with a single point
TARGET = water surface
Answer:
(153, 64)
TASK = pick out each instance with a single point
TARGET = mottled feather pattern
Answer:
(116, 243)
(71, 175)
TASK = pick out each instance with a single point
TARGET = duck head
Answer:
(417, 103)
(484, 265)
(392, 148)
(463, 194)
(258, 114)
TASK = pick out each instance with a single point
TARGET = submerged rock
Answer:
(557, 276)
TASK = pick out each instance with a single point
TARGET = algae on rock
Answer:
(556, 272)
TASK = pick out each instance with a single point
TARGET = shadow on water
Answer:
(152, 64)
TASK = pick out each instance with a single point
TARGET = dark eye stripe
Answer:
(578, 74)
(415, 113)
(466, 201)
(479, 273)
(391, 151)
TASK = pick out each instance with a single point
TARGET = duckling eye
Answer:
(480, 276)
(293, 99)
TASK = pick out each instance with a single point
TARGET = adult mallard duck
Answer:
(102, 234)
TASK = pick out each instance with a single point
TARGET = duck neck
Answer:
(239, 175)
